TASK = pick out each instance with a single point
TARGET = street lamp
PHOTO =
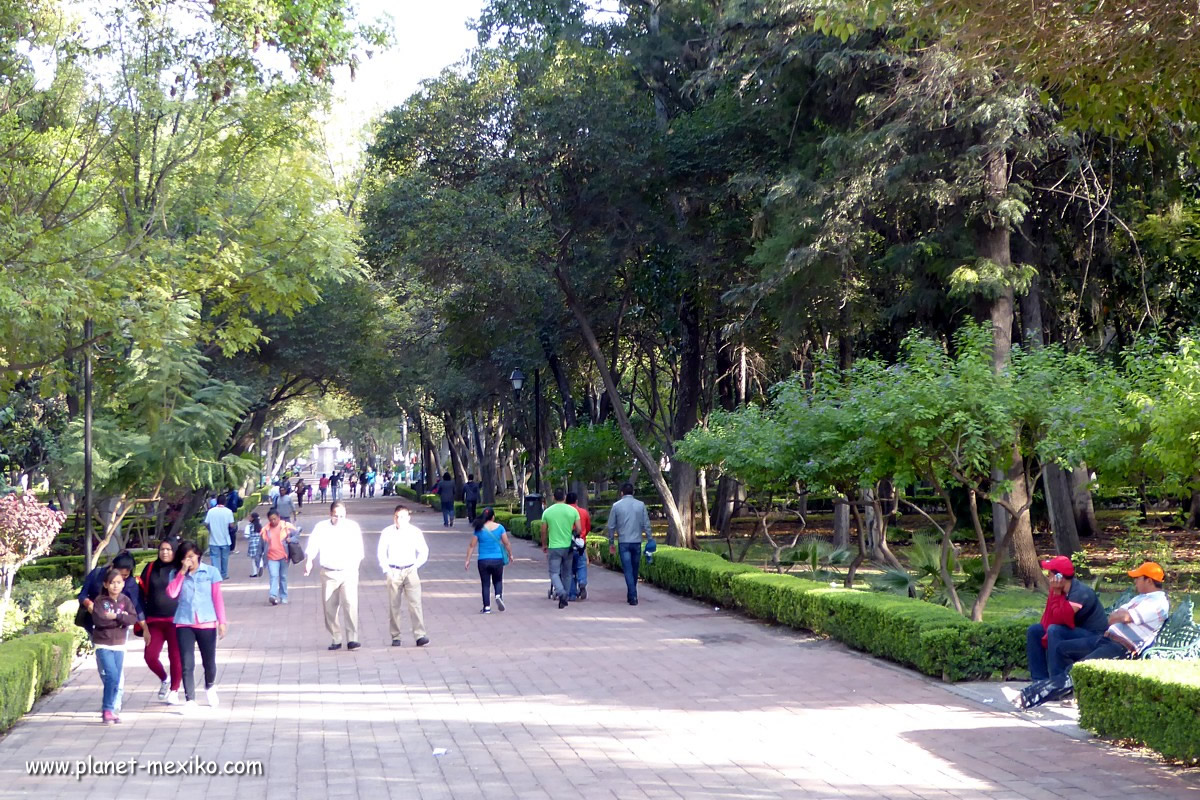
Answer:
(518, 380)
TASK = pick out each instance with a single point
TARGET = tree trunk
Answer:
(1058, 504)
(995, 246)
(704, 510)
(676, 528)
(1081, 502)
(683, 475)
(730, 495)
(841, 525)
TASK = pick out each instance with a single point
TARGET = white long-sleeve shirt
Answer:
(338, 546)
(402, 546)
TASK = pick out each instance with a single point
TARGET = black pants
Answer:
(207, 639)
(491, 573)
(470, 504)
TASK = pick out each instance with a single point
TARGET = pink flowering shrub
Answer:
(27, 529)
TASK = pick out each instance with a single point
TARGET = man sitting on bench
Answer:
(1130, 627)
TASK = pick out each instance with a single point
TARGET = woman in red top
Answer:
(276, 535)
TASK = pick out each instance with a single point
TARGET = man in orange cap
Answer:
(1132, 626)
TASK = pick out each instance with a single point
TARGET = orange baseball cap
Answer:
(1148, 570)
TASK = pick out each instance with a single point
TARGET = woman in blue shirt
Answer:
(494, 552)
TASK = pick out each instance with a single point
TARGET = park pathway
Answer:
(670, 699)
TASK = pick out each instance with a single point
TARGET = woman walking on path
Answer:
(301, 488)
(199, 620)
(112, 616)
(445, 491)
(494, 552)
(353, 483)
(286, 506)
(160, 622)
(254, 544)
(275, 538)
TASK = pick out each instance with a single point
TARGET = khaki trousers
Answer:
(339, 587)
(405, 583)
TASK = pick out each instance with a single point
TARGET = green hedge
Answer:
(71, 567)
(30, 666)
(407, 493)
(930, 638)
(1153, 703)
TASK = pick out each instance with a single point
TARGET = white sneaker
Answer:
(163, 689)
(499, 602)
(172, 698)
(189, 708)
(211, 694)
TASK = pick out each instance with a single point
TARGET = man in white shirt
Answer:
(221, 527)
(338, 543)
(273, 495)
(1131, 627)
(402, 551)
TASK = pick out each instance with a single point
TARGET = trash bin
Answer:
(533, 507)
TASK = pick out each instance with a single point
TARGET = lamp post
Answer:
(87, 445)
(518, 380)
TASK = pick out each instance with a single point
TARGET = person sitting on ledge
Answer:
(1073, 611)
(1130, 627)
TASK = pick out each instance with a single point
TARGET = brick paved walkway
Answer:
(669, 699)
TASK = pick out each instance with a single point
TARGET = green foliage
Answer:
(1155, 704)
(34, 607)
(32, 665)
(818, 557)
(589, 453)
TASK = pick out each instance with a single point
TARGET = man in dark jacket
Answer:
(445, 492)
(93, 585)
(471, 497)
(1042, 641)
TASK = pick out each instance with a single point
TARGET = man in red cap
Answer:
(1132, 626)
(1073, 611)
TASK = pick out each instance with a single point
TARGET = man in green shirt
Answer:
(560, 524)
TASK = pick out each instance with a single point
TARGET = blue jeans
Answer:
(578, 574)
(1089, 647)
(558, 559)
(631, 559)
(278, 572)
(111, 664)
(447, 512)
(220, 558)
(1047, 662)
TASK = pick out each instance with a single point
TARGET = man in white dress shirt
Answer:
(338, 543)
(401, 552)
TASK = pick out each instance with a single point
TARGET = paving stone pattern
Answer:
(671, 699)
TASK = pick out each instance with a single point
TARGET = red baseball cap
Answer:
(1060, 564)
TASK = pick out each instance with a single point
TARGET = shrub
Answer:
(1153, 703)
(34, 606)
(30, 666)
(407, 493)
(518, 526)
(931, 638)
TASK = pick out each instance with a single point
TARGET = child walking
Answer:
(254, 544)
(113, 615)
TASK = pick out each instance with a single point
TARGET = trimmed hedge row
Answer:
(71, 567)
(930, 638)
(31, 666)
(1153, 703)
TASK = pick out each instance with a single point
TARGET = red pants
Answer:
(158, 632)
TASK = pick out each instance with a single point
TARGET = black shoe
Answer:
(583, 593)
(335, 646)
(562, 602)
(353, 646)
(396, 642)
(633, 602)
(274, 601)
(424, 640)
